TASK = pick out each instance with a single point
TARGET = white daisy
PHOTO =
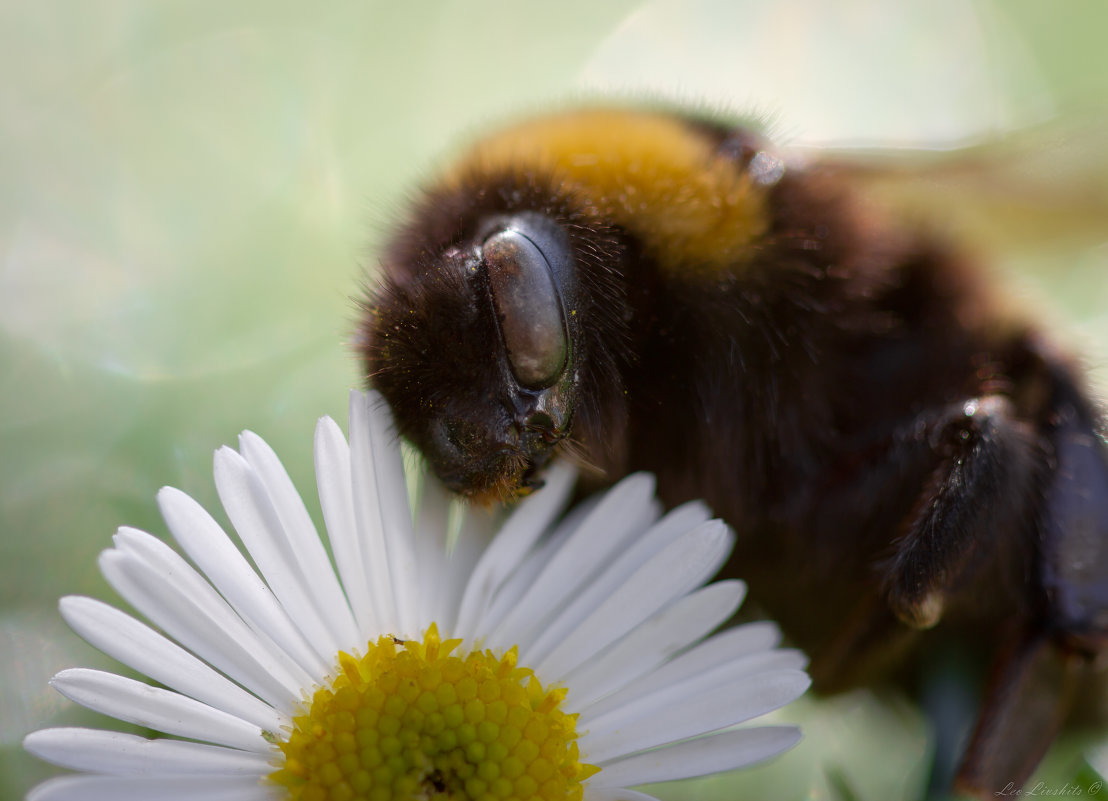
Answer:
(557, 660)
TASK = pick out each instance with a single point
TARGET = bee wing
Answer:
(1033, 191)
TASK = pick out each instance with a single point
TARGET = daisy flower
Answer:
(560, 659)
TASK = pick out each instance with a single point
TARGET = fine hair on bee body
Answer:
(905, 461)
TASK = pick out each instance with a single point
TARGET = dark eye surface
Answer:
(529, 306)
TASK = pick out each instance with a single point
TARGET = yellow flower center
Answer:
(410, 721)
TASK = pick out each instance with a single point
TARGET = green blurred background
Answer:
(192, 192)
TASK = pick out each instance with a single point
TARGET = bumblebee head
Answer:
(476, 346)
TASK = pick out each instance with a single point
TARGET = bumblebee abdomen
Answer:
(660, 177)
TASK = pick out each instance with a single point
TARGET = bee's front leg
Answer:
(988, 467)
(978, 470)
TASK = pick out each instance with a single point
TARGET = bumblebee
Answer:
(904, 461)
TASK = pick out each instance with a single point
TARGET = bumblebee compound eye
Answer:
(529, 306)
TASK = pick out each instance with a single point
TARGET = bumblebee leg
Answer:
(988, 463)
(1033, 680)
(1026, 700)
(977, 466)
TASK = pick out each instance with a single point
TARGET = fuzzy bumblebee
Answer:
(906, 464)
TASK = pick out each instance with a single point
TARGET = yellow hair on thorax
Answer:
(652, 173)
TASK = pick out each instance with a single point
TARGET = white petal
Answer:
(396, 514)
(693, 681)
(520, 581)
(132, 643)
(712, 754)
(613, 794)
(476, 530)
(622, 513)
(197, 621)
(153, 559)
(145, 788)
(303, 537)
(155, 708)
(250, 510)
(204, 540)
(652, 643)
(722, 649)
(332, 470)
(520, 532)
(673, 526)
(116, 753)
(369, 516)
(430, 547)
(661, 718)
(671, 573)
